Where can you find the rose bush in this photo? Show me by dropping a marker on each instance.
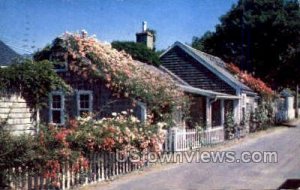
(53, 146)
(264, 115)
(92, 60)
(254, 83)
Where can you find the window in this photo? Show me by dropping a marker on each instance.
(57, 106)
(84, 102)
(142, 111)
(60, 63)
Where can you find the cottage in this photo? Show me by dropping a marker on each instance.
(103, 81)
(213, 89)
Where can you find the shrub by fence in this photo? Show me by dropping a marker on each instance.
(105, 165)
(101, 166)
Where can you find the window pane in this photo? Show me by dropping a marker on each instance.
(59, 61)
(84, 101)
(56, 101)
(56, 116)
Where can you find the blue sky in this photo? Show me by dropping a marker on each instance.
(27, 23)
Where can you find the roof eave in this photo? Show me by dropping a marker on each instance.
(249, 92)
(207, 93)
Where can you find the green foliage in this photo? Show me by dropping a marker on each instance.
(15, 151)
(34, 80)
(261, 36)
(46, 152)
(230, 126)
(262, 117)
(138, 51)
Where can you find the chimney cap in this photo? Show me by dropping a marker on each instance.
(84, 33)
(144, 29)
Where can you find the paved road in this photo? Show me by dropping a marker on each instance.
(192, 176)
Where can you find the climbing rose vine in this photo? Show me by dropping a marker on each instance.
(254, 83)
(93, 60)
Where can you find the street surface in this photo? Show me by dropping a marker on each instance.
(192, 176)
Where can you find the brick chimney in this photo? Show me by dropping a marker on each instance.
(145, 37)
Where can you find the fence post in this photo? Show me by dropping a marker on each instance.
(170, 140)
(63, 173)
(175, 133)
(68, 175)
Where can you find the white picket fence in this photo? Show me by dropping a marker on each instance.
(102, 166)
(186, 139)
(105, 166)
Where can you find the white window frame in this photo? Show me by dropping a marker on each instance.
(84, 92)
(143, 107)
(61, 109)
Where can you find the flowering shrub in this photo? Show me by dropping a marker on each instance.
(93, 60)
(264, 114)
(52, 147)
(80, 138)
(254, 83)
(121, 133)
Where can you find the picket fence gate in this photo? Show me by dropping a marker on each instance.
(185, 139)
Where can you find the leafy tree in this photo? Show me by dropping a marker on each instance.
(261, 36)
(138, 51)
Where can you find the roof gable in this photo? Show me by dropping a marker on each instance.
(213, 64)
(193, 73)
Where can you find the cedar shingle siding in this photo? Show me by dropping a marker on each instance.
(104, 101)
(194, 73)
